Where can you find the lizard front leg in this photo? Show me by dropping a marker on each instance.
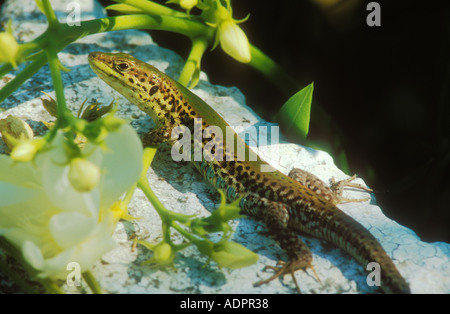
(157, 136)
(276, 217)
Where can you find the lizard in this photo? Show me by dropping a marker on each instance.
(288, 205)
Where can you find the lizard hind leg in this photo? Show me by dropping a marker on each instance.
(334, 192)
(276, 217)
(288, 268)
(338, 187)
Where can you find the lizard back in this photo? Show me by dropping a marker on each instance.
(309, 209)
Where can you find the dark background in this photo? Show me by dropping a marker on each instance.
(385, 87)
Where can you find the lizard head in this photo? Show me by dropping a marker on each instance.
(140, 82)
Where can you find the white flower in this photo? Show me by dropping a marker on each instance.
(52, 223)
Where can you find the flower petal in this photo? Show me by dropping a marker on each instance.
(85, 253)
(121, 164)
(18, 173)
(32, 254)
(56, 183)
(69, 229)
(52, 223)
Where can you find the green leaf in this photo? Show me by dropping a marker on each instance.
(294, 116)
(233, 255)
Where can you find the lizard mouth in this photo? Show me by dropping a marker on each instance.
(97, 63)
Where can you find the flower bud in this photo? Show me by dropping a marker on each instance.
(163, 253)
(24, 151)
(188, 4)
(8, 47)
(234, 41)
(83, 174)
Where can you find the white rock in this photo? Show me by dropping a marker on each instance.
(180, 188)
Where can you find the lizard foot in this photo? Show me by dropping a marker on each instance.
(288, 268)
(338, 187)
(332, 193)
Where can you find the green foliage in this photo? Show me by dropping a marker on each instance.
(294, 115)
(196, 231)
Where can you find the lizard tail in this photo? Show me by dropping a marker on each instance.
(352, 237)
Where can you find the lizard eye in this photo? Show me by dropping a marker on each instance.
(122, 67)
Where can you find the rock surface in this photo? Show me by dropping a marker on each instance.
(426, 266)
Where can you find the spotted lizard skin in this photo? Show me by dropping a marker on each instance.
(286, 204)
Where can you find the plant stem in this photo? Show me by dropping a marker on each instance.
(92, 282)
(273, 72)
(53, 62)
(153, 8)
(183, 232)
(166, 215)
(5, 68)
(65, 35)
(24, 75)
(148, 155)
(159, 207)
(189, 28)
(191, 69)
(50, 14)
(51, 286)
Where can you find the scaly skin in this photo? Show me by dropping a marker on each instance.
(287, 204)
